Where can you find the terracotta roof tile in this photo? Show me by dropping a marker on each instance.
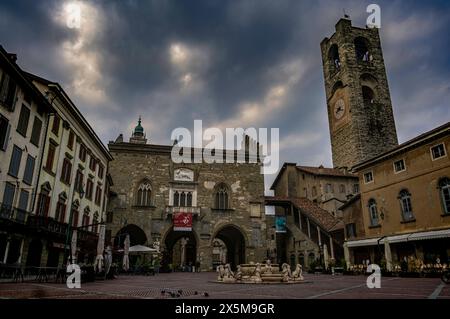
(326, 171)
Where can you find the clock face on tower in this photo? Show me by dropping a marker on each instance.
(339, 109)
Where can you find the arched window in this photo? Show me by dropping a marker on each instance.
(176, 199)
(362, 50)
(144, 194)
(314, 191)
(333, 56)
(221, 197)
(405, 204)
(368, 95)
(189, 199)
(373, 212)
(342, 189)
(444, 185)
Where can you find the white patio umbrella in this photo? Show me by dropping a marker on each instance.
(126, 248)
(325, 256)
(142, 249)
(73, 246)
(388, 255)
(100, 248)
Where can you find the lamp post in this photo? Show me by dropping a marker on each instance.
(69, 226)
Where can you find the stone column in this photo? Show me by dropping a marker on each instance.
(347, 255)
(318, 236)
(331, 248)
(388, 255)
(183, 250)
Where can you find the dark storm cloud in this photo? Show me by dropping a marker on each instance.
(227, 62)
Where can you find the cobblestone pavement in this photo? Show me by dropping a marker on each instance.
(194, 285)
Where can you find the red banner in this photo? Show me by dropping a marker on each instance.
(182, 221)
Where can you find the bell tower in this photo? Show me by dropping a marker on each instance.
(360, 115)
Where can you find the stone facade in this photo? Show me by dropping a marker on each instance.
(359, 106)
(327, 187)
(240, 225)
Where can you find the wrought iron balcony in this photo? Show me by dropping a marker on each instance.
(47, 224)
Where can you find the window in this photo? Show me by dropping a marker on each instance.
(29, 170)
(14, 164)
(66, 171)
(144, 194)
(314, 191)
(85, 221)
(8, 195)
(100, 171)
(98, 195)
(438, 151)
(399, 166)
(405, 203)
(23, 200)
(43, 204)
(373, 212)
(342, 189)
(60, 214)
(221, 200)
(71, 139)
(56, 124)
(4, 132)
(8, 91)
(333, 56)
(356, 188)
(75, 214)
(79, 181)
(182, 199)
(24, 117)
(350, 230)
(305, 191)
(36, 131)
(50, 157)
(444, 185)
(362, 49)
(328, 188)
(93, 163)
(89, 188)
(82, 154)
(368, 177)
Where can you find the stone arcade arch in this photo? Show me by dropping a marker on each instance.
(234, 239)
(173, 241)
(137, 236)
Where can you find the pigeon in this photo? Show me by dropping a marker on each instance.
(206, 294)
(196, 292)
(180, 292)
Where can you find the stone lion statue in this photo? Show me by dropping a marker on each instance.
(229, 275)
(268, 267)
(297, 275)
(286, 271)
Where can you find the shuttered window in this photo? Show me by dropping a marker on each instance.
(8, 195)
(4, 132)
(23, 200)
(14, 165)
(24, 118)
(7, 91)
(29, 170)
(36, 132)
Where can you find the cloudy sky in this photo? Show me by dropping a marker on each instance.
(249, 63)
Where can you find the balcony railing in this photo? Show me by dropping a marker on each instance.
(13, 214)
(47, 224)
(172, 209)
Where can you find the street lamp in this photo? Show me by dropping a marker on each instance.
(69, 226)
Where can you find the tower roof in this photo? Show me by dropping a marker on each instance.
(139, 130)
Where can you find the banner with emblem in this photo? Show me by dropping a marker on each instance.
(182, 221)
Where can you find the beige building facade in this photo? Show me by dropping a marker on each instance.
(405, 202)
